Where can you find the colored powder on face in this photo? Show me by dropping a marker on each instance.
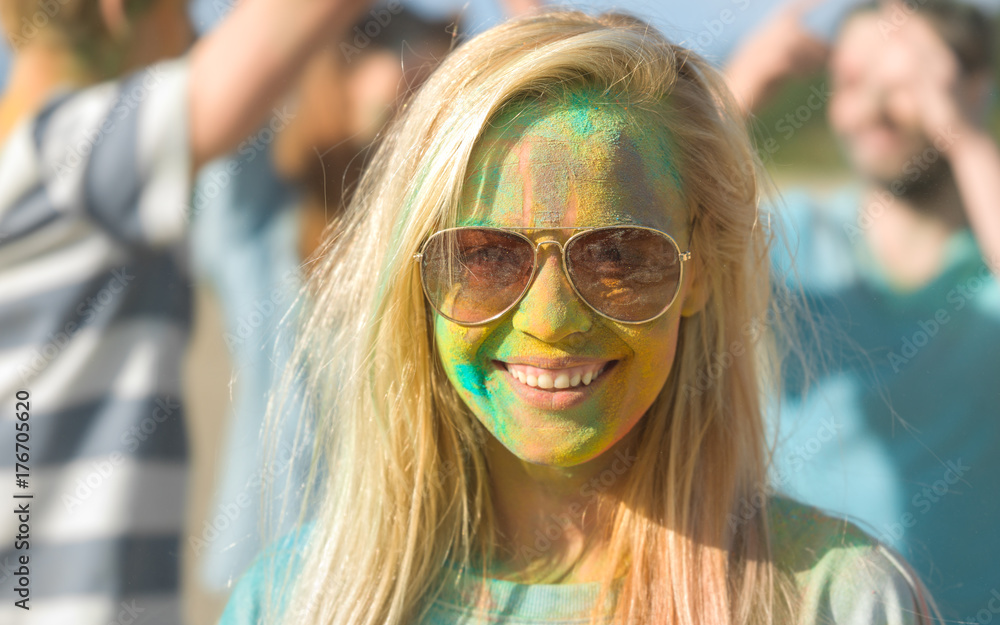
(470, 377)
(584, 161)
(579, 106)
(551, 159)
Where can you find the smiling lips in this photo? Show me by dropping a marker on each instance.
(557, 379)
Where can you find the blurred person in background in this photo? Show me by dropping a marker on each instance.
(266, 211)
(900, 426)
(101, 135)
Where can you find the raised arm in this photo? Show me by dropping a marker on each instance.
(240, 69)
(975, 161)
(952, 111)
(781, 48)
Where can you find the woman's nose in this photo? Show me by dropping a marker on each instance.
(551, 310)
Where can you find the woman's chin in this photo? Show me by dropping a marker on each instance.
(558, 448)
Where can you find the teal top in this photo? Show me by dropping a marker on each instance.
(843, 576)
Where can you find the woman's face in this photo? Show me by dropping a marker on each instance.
(582, 162)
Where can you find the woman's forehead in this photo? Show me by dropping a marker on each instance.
(583, 160)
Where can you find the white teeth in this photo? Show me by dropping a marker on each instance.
(556, 378)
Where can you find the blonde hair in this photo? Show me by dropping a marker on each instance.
(405, 486)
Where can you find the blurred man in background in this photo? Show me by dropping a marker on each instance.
(898, 424)
(100, 137)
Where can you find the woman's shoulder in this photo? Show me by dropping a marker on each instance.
(268, 580)
(842, 574)
(797, 528)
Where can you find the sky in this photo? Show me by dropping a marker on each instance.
(704, 25)
(711, 27)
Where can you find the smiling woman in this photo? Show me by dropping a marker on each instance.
(554, 240)
(572, 163)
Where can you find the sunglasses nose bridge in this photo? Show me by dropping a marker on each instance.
(539, 245)
(538, 248)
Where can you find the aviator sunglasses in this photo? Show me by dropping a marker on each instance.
(475, 275)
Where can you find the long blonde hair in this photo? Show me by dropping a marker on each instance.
(405, 486)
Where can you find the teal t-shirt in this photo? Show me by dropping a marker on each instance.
(899, 428)
(843, 577)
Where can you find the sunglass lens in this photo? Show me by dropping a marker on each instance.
(473, 274)
(628, 274)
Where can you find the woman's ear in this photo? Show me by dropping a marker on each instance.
(113, 13)
(695, 293)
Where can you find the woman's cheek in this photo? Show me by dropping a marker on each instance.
(457, 348)
(653, 349)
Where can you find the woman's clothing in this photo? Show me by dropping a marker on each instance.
(843, 576)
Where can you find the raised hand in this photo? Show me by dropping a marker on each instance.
(782, 48)
(926, 88)
(923, 78)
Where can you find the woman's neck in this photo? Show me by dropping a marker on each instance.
(554, 520)
(37, 71)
